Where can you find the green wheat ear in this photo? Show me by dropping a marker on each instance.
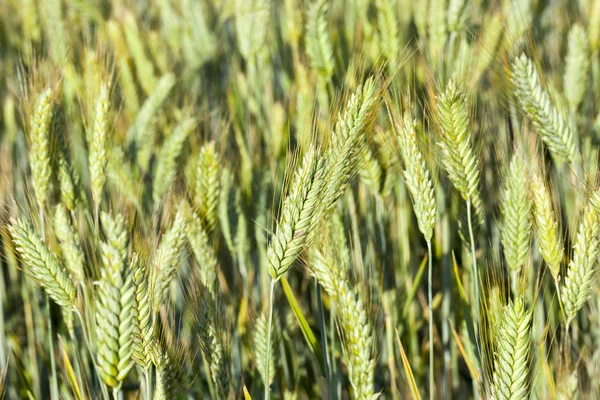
(536, 105)
(458, 157)
(578, 283)
(513, 355)
(115, 311)
(301, 210)
(516, 207)
(41, 264)
(39, 153)
(577, 66)
(318, 44)
(208, 185)
(545, 223)
(417, 177)
(98, 158)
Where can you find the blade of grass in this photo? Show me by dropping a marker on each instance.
(310, 337)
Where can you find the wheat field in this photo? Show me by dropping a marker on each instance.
(299, 199)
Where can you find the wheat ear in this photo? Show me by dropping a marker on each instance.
(299, 216)
(545, 225)
(143, 320)
(167, 260)
(41, 264)
(208, 185)
(352, 318)
(166, 162)
(536, 104)
(69, 243)
(578, 283)
(115, 310)
(516, 208)
(416, 176)
(347, 142)
(98, 158)
(577, 66)
(39, 152)
(318, 44)
(513, 354)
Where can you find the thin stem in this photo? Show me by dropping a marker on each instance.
(89, 348)
(323, 330)
(148, 376)
(430, 301)
(474, 263)
(267, 388)
(54, 381)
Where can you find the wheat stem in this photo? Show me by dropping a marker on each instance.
(429, 299)
(266, 374)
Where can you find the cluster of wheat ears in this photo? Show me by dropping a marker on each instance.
(297, 199)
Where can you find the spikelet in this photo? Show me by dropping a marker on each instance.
(167, 260)
(578, 282)
(39, 153)
(299, 216)
(318, 43)
(512, 358)
(347, 141)
(143, 324)
(115, 310)
(536, 104)
(41, 265)
(208, 185)
(545, 225)
(516, 208)
(98, 158)
(458, 156)
(166, 162)
(577, 66)
(417, 177)
(69, 243)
